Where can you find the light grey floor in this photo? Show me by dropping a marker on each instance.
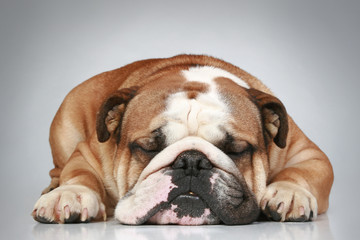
(111, 230)
(307, 52)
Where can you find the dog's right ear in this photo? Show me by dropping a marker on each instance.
(109, 116)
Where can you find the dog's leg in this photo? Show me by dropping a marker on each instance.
(53, 184)
(300, 191)
(81, 194)
(66, 132)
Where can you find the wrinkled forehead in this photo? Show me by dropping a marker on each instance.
(200, 101)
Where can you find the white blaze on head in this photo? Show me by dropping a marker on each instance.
(207, 74)
(202, 116)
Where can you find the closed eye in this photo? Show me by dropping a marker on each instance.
(145, 148)
(143, 153)
(145, 144)
(236, 155)
(235, 148)
(148, 145)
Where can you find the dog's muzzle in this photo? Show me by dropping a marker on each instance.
(191, 182)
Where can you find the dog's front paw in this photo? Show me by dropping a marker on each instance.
(286, 201)
(69, 203)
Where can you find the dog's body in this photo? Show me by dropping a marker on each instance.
(184, 140)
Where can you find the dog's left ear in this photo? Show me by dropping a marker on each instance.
(274, 116)
(109, 116)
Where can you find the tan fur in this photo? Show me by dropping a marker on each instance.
(105, 168)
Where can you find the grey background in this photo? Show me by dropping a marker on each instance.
(307, 52)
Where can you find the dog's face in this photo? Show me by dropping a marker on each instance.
(191, 149)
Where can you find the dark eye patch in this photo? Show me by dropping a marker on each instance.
(146, 144)
(146, 148)
(159, 137)
(234, 148)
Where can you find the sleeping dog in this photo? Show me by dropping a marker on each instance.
(185, 140)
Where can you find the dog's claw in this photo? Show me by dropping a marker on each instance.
(67, 212)
(84, 215)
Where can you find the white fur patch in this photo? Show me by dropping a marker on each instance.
(135, 206)
(207, 74)
(203, 116)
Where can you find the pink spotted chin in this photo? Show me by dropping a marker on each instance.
(170, 216)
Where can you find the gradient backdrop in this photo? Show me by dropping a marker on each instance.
(307, 52)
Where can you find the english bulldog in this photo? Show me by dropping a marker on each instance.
(184, 140)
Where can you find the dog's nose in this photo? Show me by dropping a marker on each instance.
(192, 161)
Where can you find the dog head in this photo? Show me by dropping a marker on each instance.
(191, 147)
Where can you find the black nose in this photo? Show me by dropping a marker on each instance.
(192, 161)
